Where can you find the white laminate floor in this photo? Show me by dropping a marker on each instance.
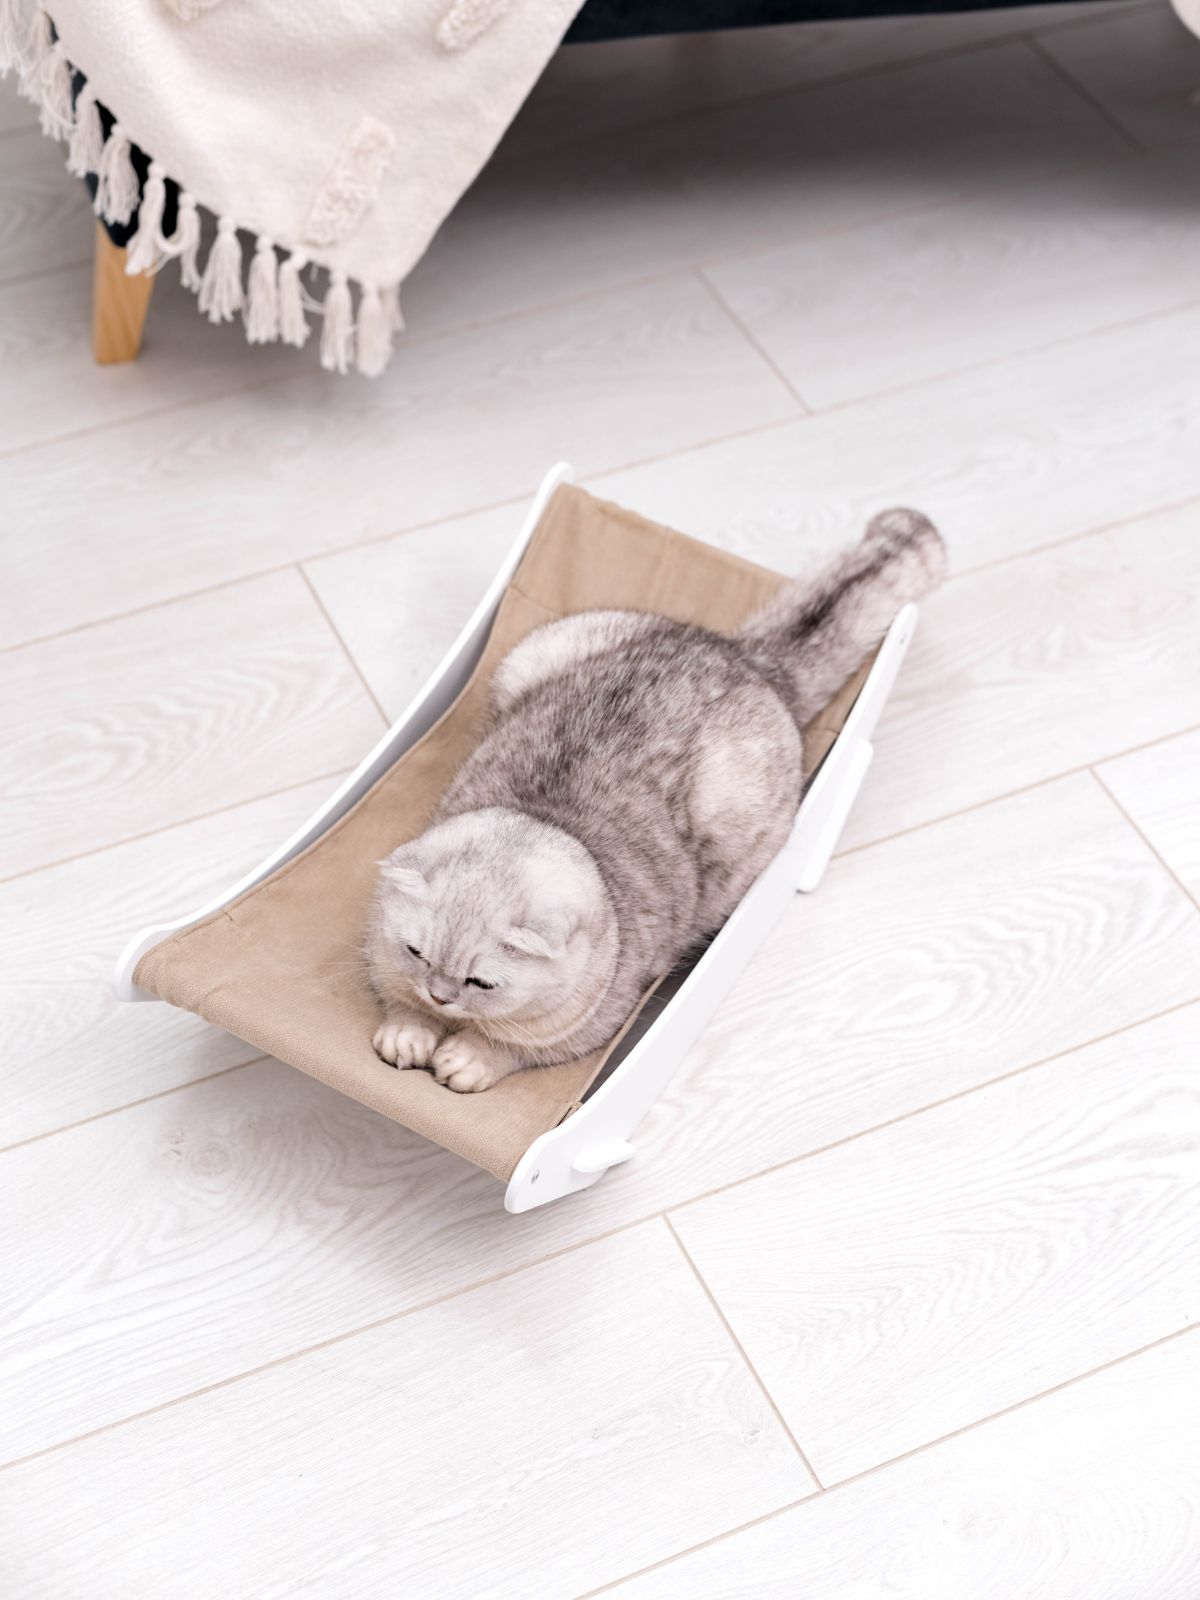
(900, 1299)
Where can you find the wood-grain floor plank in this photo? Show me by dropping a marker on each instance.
(1143, 67)
(70, 1051)
(555, 1430)
(923, 966)
(1087, 1494)
(1160, 789)
(1005, 458)
(943, 1269)
(46, 358)
(1018, 672)
(289, 470)
(46, 220)
(16, 114)
(172, 713)
(1018, 267)
(461, 1452)
(240, 1219)
(609, 85)
(1037, 666)
(828, 156)
(400, 603)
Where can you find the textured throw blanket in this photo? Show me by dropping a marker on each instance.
(339, 136)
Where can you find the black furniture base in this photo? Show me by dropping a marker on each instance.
(621, 19)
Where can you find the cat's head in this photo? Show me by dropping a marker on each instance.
(491, 918)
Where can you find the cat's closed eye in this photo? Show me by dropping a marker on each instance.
(479, 983)
(413, 951)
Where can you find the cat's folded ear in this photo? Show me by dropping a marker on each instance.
(547, 937)
(404, 878)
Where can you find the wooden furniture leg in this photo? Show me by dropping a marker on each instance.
(118, 303)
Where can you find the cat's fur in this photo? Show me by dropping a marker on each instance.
(636, 776)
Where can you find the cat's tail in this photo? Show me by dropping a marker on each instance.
(810, 638)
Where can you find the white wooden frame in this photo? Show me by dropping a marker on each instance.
(597, 1136)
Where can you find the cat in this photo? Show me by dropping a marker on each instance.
(635, 777)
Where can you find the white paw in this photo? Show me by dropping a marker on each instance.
(405, 1044)
(466, 1066)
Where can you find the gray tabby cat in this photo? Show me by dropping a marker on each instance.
(636, 777)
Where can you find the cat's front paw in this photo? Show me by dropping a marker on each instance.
(406, 1044)
(467, 1064)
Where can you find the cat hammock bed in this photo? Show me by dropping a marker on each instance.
(276, 960)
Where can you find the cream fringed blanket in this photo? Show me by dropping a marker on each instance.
(338, 135)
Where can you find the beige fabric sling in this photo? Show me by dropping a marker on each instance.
(280, 967)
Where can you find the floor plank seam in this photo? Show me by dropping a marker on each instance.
(931, 1105)
(324, 1344)
(1006, 358)
(1139, 1022)
(759, 349)
(764, 245)
(1146, 840)
(932, 207)
(705, 1194)
(1011, 794)
(692, 1549)
(150, 605)
(610, 469)
(624, 285)
(457, 329)
(833, 80)
(884, 1466)
(797, 86)
(1048, 59)
(1020, 1405)
(181, 822)
(877, 69)
(307, 374)
(329, 552)
(662, 1212)
(131, 1105)
(1166, 508)
(343, 646)
(165, 408)
(1096, 19)
(1056, 1408)
(741, 1350)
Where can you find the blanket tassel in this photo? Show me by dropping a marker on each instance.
(293, 324)
(12, 51)
(31, 57)
(274, 303)
(147, 249)
(117, 190)
(337, 334)
(56, 117)
(221, 286)
(262, 294)
(185, 242)
(373, 346)
(86, 148)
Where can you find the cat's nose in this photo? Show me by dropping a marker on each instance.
(439, 999)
